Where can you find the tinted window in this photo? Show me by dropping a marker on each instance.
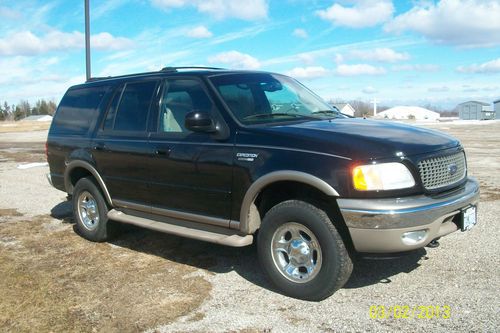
(181, 97)
(132, 113)
(110, 116)
(77, 110)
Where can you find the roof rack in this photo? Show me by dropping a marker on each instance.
(176, 69)
(165, 69)
(98, 78)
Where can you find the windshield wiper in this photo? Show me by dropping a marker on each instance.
(327, 113)
(272, 115)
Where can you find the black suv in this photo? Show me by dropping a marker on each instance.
(227, 156)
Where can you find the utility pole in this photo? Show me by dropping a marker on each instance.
(374, 102)
(87, 39)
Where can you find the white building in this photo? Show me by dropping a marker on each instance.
(408, 112)
(38, 118)
(345, 108)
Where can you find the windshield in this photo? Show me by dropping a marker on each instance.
(259, 98)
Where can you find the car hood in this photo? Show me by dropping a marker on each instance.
(360, 139)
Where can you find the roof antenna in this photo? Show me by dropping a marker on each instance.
(87, 40)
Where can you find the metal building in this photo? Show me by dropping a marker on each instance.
(497, 108)
(475, 110)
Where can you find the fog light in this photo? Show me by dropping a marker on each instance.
(414, 237)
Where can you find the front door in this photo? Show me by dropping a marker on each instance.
(191, 173)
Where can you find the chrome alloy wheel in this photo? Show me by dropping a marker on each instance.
(296, 252)
(88, 211)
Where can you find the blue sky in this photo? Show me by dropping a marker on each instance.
(400, 52)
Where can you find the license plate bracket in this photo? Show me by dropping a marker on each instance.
(468, 218)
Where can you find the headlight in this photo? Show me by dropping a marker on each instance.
(384, 176)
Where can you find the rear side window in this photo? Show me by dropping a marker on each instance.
(132, 111)
(77, 110)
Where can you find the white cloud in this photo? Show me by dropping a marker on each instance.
(34, 78)
(438, 89)
(359, 69)
(468, 23)
(8, 13)
(170, 3)
(106, 41)
(308, 73)
(301, 33)
(492, 66)
(236, 60)
(370, 90)
(245, 10)
(416, 67)
(383, 54)
(365, 13)
(468, 88)
(27, 43)
(104, 7)
(342, 49)
(307, 59)
(339, 58)
(199, 32)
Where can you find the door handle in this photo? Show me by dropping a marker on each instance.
(99, 146)
(163, 152)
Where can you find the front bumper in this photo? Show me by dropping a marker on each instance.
(377, 225)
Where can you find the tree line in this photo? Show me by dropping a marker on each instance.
(24, 109)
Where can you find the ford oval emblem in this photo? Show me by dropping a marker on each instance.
(452, 169)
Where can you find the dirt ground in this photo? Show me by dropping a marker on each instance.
(52, 280)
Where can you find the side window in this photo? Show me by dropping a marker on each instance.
(181, 96)
(78, 109)
(110, 116)
(132, 112)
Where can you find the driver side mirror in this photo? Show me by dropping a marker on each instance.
(199, 121)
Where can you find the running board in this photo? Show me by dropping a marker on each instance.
(207, 233)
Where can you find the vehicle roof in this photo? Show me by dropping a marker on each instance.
(167, 71)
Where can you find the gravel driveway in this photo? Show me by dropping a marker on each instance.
(146, 281)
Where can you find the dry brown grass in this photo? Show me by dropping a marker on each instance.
(23, 126)
(22, 152)
(489, 193)
(53, 280)
(22, 157)
(9, 212)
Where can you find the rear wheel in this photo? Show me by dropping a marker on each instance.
(90, 211)
(301, 251)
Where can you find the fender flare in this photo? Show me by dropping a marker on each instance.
(87, 166)
(249, 216)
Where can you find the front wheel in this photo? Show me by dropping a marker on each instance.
(301, 251)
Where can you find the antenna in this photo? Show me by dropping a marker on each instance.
(87, 40)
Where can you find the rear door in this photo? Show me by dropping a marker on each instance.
(191, 173)
(121, 148)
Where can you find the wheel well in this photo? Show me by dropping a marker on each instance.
(78, 173)
(281, 191)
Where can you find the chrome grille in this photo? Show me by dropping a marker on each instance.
(442, 171)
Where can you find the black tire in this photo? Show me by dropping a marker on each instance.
(96, 228)
(332, 264)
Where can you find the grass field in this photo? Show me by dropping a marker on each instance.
(23, 126)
